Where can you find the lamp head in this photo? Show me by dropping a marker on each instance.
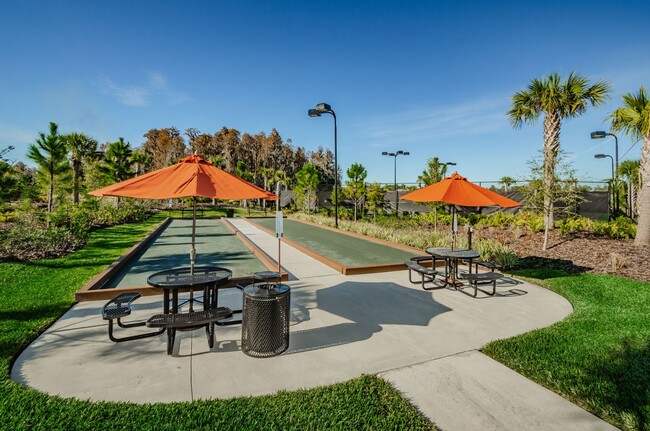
(384, 153)
(450, 163)
(405, 153)
(598, 134)
(313, 113)
(600, 156)
(323, 107)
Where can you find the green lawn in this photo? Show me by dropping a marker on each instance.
(33, 295)
(599, 356)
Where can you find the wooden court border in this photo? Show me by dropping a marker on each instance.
(92, 291)
(337, 266)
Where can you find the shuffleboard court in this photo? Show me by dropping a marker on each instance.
(350, 251)
(216, 245)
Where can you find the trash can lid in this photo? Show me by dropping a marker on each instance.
(268, 290)
(266, 275)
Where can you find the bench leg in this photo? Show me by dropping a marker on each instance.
(132, 337)
(473, 284)
(209, 329)
(129, 325)
(171, 336)
(425, 279)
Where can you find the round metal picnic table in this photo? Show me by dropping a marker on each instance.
(208, 278)
(452, 257)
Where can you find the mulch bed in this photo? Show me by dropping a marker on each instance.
(575, 253)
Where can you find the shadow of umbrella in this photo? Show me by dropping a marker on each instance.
(367, 307)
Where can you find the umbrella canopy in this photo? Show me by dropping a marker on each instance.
(192, 176)
(456, 190)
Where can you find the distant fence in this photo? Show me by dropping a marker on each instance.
(595, 203)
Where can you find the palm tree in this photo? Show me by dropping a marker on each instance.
(142, 160)
(557, 99)
(80, 148)
(280, 178)
(435, 172)
(633, 118)
(49, 154)
(507, 182)
(118, 161)
(265, 174)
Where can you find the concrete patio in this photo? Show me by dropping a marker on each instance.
(425, 342)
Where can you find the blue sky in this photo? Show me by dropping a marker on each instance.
(432, 78)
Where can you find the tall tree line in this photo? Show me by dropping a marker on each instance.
(68, 165)
(258, 156)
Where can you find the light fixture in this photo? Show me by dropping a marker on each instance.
(600, 134)
(394, 155)
(324, 108)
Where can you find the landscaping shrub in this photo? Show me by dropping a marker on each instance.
(500, 219)
(476, 219)
(32, 235)
(28, 239)
(622, 228)
(495, 252)
(536, 224)
(506, 258)
(574, 225)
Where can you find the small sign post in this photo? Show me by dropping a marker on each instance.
(279, 233)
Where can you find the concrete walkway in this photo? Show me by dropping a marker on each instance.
(424, 342)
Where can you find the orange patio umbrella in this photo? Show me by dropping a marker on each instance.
(192, 176)
(456, 190)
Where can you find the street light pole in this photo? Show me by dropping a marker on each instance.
(602, 156)
(600, 134)
(324, 108)
(394, 155)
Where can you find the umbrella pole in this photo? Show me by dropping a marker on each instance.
(453, 226)
(193, 251)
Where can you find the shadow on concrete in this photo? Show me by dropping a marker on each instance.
(366, 307)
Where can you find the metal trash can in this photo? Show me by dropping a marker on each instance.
(230, 212)
(265, 320)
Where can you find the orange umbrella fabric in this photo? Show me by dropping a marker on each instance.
(191, 176)
(456, 190)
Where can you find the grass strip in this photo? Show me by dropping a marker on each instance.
(599, 356)
(34, 294)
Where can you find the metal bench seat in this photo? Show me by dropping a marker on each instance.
(428, 274)
(189, 321)
(489, 265)
(489, 277)
(119, 307)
